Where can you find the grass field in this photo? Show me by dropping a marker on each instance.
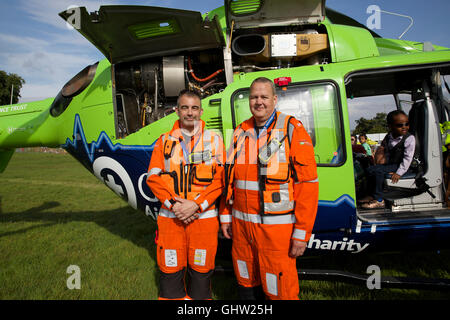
(54, 214)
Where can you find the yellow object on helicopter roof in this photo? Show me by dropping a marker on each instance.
(445, 130)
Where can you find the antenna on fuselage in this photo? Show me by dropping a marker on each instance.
(399, 15)
(12, 92)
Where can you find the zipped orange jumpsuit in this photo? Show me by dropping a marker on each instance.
(271, 198)
(194, 174)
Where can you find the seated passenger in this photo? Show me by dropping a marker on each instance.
(360, 154)
(394, 156)
(357, 148)
(363, 141)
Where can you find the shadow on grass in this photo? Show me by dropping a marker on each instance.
(139, 229)
(124, 222)
(418, 265)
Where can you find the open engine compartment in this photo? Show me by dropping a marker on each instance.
(146, 90)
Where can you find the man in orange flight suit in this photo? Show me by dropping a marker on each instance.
(271, 197)
(186, 174)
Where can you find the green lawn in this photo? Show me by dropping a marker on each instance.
(54, 214)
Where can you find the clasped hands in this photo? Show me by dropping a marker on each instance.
(185, 210)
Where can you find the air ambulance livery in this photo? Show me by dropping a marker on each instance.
(110, 115)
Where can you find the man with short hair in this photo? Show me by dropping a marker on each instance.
(271, 197)
(186, 175)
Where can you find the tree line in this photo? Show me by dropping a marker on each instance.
(374, 125)
(7, 80)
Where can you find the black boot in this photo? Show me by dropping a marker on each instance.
(251, 293)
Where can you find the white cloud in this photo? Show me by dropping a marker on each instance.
(35, 92)
(51, 57)
(48, 59)
(14, 41)
(44, 63)
(368, 107)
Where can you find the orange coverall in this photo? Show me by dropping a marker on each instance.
(195, 174)
(269, 208)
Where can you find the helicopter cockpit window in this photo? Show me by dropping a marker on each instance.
(74, 87)
(316, 106)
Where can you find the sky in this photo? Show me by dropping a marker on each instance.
(36, 43)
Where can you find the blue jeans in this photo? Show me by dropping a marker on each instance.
(379, 172)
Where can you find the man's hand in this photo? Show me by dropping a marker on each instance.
(297, 248)
(185, 210)
(395, 177)
(226, 230)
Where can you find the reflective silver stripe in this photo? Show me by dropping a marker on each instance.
(167, 203)
(154, 171)
(207, 144)
(204, 205)
(279, 206)
(279, 130)
(282, 150)
(216, 144)
(167, 164)
(285, 186)
(256, 218)
(280, 120)
(299, 234)
(225, 218)
(284, 203)
(282, 219)
(207, 214)
(166, 213)
(247, 185)
(278, 134)
(310, 181)
(280, 126)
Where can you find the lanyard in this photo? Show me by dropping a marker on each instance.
(186, 152)
(267, 124)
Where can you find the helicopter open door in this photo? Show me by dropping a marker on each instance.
(127, 33)
(246, 14)
(421, 190)
(155, 53)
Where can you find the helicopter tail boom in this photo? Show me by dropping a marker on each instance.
(25, 125)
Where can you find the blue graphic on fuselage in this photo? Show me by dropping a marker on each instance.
(332, 215)
(122, 168)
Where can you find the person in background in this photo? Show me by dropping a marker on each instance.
(357, 148)
(363, 141)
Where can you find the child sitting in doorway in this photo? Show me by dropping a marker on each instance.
(394, 156)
